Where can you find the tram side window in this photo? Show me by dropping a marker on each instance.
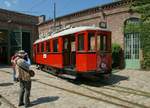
(91, 41)
(48, 46)
(103, 43)
(55, 45)
(81, 42)
(42, 47)
(66, 44)
(37, 48)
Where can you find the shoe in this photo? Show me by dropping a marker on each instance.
(27, 106)
(20, 104)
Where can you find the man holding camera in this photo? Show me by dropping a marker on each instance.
(24, 75)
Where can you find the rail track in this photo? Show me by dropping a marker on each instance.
(127, 90)
(115, 97)
(4, 100)
(115, 88)
(128, 104)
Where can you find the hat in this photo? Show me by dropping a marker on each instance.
(21, 53)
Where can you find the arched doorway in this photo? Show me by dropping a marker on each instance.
(132, 43)
(3, 46)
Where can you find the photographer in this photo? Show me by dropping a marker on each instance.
(24, 77)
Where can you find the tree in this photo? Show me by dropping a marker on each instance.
(143, 8)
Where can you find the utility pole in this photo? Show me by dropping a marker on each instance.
(54, 19)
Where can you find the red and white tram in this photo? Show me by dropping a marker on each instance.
(78, 51)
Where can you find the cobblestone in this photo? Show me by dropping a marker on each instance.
(44, 96)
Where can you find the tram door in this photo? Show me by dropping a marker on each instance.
(69, 51)
(73, 52)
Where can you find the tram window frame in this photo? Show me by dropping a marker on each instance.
(55, 45)
(103, 46)
(48, 48)
(103, 43)
(91, 44)
(81, 42)
(34, 50)
(66, 42)
(37, 48)
(42, 47)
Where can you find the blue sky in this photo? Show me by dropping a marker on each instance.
(45, 7)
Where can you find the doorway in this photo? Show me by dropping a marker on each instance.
(26, 42)
(69, 51)
(132, 48)
(3, 46)
(132, 43)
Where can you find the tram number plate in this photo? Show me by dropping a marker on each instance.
(44, 55)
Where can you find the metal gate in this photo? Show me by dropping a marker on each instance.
(132, 48)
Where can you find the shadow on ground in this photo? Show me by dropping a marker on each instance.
(98, 81)
(4, 66)
(42, 100)
(6, 84)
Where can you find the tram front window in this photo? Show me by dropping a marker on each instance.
(80, 42)
(91, 41)
(103, 43)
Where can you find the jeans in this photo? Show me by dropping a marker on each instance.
(25, 87)
(14, 74)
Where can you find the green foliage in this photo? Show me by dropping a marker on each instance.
(145, 41)
(116, 48)
(116, 55)
(143, 7)
(132, 27)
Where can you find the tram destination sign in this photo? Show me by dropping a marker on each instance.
(103, 25)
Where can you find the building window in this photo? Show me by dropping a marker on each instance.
(16, 39)
(42, 47)
(91, 41)
(48, 46)
(55, 45)
(80, 42)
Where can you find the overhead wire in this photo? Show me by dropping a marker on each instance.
(41, 2)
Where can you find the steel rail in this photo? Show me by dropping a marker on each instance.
(136, 92)
(114, 97)
(7, 102)
(112, 87)
(85, 95)
(96, 98)
(127, 88)
(79, 93)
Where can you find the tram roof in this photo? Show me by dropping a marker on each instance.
(69, 31)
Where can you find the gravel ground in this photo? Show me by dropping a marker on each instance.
(114, 93)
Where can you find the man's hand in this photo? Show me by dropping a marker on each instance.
(16, 79)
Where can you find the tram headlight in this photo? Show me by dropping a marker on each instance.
(103, 65)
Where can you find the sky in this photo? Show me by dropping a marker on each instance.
(45, 7)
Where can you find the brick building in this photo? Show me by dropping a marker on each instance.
(17, 31)
(117, 16)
